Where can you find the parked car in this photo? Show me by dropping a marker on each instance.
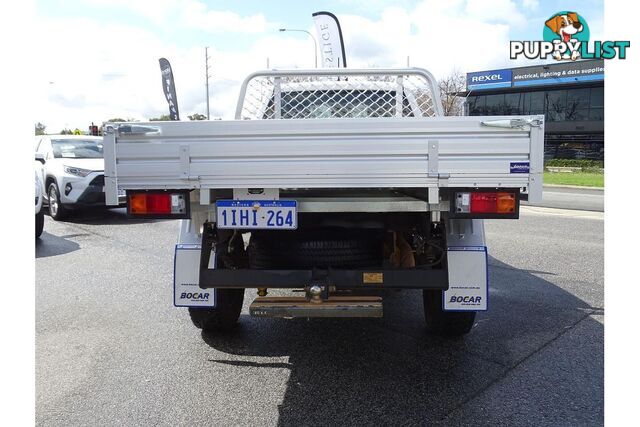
(39, 171)
(73, 171)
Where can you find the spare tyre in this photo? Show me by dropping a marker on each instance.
(324, 248)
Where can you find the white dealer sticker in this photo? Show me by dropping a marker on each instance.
(468, 281)
(186, 277)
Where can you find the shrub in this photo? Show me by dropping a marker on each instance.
(575, 163)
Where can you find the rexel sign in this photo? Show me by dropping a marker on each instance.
(489, 79)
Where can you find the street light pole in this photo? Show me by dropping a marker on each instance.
(315, 43)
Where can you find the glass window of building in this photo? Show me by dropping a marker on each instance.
(495, 104)
(556, 103)
(556, 99)
(578, 99)
(526, 102)
(537, 103)
(574, 105)
(596, 114)
(577, 104)
(597, 97)
(572, 115)
(514, 103)
(476, 105)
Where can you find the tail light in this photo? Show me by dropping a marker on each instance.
(500, 203)
(158, 204)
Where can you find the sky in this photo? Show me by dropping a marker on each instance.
(98, 59)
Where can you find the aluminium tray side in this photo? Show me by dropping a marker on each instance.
(325, 153)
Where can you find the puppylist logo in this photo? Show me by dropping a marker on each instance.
(566, 37)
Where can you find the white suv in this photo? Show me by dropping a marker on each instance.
(73, 171)
(39, 192)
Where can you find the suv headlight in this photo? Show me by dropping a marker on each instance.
(76, 171)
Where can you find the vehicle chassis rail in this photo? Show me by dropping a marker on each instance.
(362, 278)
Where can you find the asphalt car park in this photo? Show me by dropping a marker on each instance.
(111, 348)
(584, 199)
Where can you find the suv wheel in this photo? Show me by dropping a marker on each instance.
(56, 210)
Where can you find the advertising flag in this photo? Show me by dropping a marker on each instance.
(330, 40)
(169, 87)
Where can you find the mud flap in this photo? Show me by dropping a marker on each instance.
(468, 279)
(186, 277)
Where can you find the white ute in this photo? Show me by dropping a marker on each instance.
(336, 182)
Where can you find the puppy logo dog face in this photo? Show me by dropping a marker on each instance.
(567, 31)
(565, 25)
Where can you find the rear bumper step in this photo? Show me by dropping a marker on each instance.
(335, 306)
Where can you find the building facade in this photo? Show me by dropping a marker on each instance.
(569, 94)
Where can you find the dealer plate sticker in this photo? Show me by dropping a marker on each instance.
(257, 214)
(468, 281)
(519, 167)
(186, 279)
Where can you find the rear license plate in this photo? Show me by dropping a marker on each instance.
(257, 214)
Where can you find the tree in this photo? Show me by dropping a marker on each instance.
(451, 87)
(197, 116)
(66, 132)
(40, 128)
(118, 119)
(162, 118)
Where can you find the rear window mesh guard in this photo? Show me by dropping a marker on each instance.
(338, 93)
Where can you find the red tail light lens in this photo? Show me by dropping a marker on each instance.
(492, 202)
(474, 203)
(146, 204)
(158, 204)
